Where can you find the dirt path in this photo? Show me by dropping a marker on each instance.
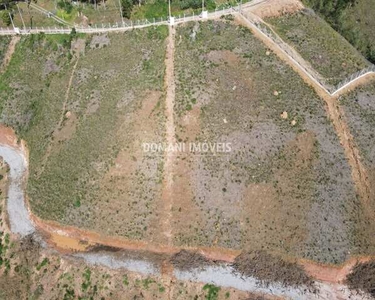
(9, 53)
(169, 83)
(62, 116)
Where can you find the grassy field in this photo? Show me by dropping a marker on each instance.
(328, 52)
(86, 164)
(286, 185)
(4, 42)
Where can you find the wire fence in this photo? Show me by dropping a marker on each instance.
(343, 84)
(302, 64)
(118, 26)
(253, 20)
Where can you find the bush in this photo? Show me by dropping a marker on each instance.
(6, 17)
(67, 6)
(127, 7)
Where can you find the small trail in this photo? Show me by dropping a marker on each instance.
(61, 120)
(8, 55)
(169, 83)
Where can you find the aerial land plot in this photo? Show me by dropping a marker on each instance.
(84, 104)
(286, 185)
(318, 43)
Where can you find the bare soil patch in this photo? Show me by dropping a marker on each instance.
(276, 8)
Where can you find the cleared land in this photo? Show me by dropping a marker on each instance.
(85, 105)
(328, 52)
(84, 117)
(286, 185)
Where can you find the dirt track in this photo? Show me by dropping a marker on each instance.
(169, 84)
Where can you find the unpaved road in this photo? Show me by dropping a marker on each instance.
(169, 85)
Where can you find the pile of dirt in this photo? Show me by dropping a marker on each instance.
(187, 260)
(269, 269)
(362, 277)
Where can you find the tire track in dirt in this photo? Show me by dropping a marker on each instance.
(169, 84)
(8, 55)
(61, 120)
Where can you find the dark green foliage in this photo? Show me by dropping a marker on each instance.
(330, 9)
(212, 291)
(127, 7)
(6, 17)
(340, 14)
(65, 5)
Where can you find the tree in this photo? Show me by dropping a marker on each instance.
(6, 17)
(127, 7)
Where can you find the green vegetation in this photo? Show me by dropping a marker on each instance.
(329, 53)
(353, 19)
(212, 291)
(4, 42)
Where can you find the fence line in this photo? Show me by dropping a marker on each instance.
(256, 22)
(354, 77)
(311, 72)
(119, 26)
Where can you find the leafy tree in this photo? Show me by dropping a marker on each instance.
(127, 7)
(6, 17)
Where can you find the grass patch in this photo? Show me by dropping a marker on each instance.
(328, 52)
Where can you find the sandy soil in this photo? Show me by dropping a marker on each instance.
(274, 8)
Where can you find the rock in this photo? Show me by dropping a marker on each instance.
(68, 114)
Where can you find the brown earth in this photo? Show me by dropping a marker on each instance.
(275, 8)
(167, 194)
